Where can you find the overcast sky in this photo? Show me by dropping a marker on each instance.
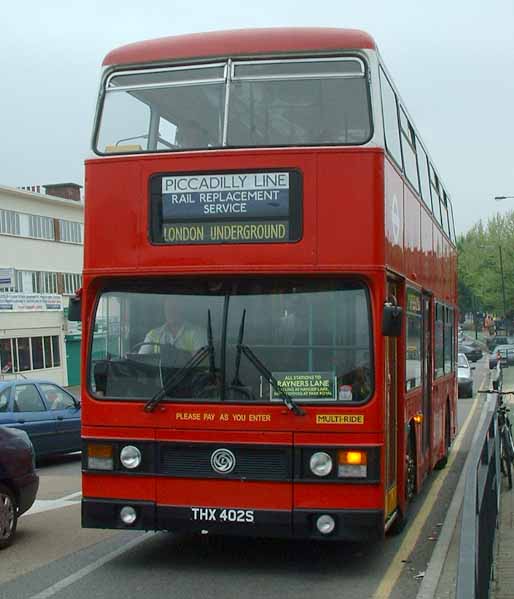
(452, 61)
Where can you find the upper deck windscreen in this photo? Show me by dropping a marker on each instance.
(236, 104)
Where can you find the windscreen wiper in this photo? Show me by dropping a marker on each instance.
(196, 359)
(236, 383)
(259, 365)
(210, 347)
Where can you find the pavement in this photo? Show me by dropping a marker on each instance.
(503, 582)
(440, 580)
(502, 586)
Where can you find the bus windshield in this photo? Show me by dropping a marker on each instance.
(236, 104)
(313, 336)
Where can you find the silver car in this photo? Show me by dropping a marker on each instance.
(465, 376)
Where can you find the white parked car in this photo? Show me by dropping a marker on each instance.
(465, 376)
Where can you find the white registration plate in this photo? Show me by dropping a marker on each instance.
(214, 514)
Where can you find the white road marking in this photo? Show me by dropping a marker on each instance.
(45, 505)
(69, 580)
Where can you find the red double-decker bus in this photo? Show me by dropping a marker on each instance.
(269, 298)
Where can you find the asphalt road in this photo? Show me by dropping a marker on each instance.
(53, 557)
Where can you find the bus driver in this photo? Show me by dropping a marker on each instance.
(176, 332)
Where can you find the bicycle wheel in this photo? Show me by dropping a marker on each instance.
(506, 458)
(510, 444)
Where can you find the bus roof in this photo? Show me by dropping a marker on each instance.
(240, 42)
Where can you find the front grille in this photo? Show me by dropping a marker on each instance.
(252, 463)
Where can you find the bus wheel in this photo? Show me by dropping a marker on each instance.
(447, 442)
(410, 480)
(410, 486)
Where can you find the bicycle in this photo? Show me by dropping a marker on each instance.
(505, 430)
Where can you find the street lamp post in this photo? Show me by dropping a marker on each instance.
(503, 288)
(499, 198)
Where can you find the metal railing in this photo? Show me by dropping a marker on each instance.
(480, 508)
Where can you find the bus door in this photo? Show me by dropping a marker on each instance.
(391, 412)
(426, 371)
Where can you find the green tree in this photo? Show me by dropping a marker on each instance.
(480, 277)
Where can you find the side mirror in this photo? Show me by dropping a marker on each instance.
(75, 309)
(473, 368)
(391, 320)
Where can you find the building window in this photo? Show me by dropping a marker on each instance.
(6, 356)
(70, 231)
(56, 354)
(47, 344)
(71, 282)
(37, 353)
(32, 281)
(48, 282)
(29, 353)
(23, 344)
(41, 227)
(9, 222)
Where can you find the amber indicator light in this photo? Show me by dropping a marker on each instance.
(354, 458)
(99, 451)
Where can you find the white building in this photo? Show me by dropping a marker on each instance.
(41, 256)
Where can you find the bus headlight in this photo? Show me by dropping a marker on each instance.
(320, 463)
(130, 457)
(128, 515)
(325, 524)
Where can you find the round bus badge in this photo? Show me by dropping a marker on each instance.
(223, 461)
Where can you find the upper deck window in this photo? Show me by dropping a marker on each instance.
(240, 104)
(298, 103)
(159, 110)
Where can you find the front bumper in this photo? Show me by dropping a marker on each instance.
(351, 525)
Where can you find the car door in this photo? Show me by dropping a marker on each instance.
(66, 410)
(31, 415)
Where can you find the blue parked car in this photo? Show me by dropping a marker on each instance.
(49, 414)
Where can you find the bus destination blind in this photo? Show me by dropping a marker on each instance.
(237, 207)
